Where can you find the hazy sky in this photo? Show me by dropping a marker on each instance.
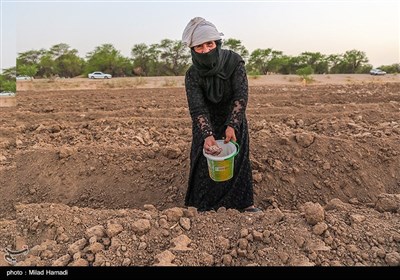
(329, 27)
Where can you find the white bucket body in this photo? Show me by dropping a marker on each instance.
(221, 167)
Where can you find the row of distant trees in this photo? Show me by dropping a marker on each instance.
(172, 58)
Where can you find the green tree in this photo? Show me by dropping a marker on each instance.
(394, 68)
(174, 57)
(263, 61)
(236, 46)
(10, 73)
(7, 83)
(47, 66)
(107, 59)
(155, 65)
(334, 62)
(305, 71)
(316, 60)
(64, 61)
(283, 65)
(275, 62)
(31, 57)
(146, 60)
(27, 70)
(353, 61)
(28, 63)
(69, 64)
(140, 59)
(59, 50)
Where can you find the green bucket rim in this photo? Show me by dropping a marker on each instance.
(222, 159)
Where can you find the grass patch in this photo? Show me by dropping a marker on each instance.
(139, 81)
(109, 84)
(349, 79)
(169, 83)
(307, 79)
(122, 83)
(305, 74)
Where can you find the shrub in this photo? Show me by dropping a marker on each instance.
(305, 73)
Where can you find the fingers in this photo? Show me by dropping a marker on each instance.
(209, 141)
(229, 134)
(211, 147)
(227, 139)
(213, 150)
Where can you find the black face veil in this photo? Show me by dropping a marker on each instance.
(216, 66)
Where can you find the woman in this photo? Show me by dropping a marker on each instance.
(217, 91)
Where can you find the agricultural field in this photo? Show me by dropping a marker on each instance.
(94, 173)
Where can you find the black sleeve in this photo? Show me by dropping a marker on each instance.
(240, 97)
(197, 107)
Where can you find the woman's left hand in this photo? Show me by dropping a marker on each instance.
(229, 134)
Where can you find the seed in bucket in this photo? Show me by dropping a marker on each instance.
(214, 150)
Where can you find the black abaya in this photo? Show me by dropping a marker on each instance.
(209, 118)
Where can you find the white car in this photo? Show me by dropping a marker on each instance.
(377, 72)
(7, 93)
(99, 75)
(24, 78)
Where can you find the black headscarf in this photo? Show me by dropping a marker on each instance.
(215, 66)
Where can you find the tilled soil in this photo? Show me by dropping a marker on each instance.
(98, 177)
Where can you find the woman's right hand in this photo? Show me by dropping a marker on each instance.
(209, 142)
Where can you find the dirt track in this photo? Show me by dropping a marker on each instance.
(117, 148)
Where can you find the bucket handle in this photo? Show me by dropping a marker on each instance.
(237, 149)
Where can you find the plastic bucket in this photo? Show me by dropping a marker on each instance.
(221, 167)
